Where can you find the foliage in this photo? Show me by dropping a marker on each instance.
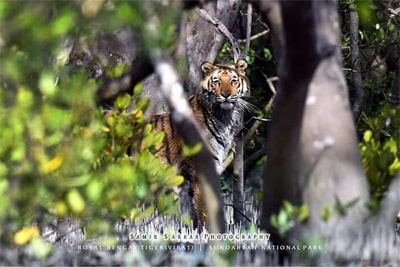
(59, 156)
(378, 127)
(288, 216)
(380, 148)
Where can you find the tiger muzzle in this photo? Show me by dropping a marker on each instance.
(226, 102)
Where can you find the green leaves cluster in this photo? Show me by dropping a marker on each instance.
(378, 126)
(143, 178)
(380, 148)
(288, 216)
(59, 154)
(48, 141)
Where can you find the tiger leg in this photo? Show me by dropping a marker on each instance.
(197, 211)
(199, 204)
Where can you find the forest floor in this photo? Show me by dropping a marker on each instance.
(160, 242)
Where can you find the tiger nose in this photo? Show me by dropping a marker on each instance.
(226, 94)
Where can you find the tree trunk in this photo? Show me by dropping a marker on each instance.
(200, 42)
(238, 182)
(204, 41)
(313, 155)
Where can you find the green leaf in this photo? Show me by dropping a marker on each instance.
(47, 83)
(63, 23)
(189, 151)
(394, 167)
(147, 213)
(303, 213)
(138, 89)
(3, 186)
(351, 203)
(94, 189)
(174, 180)
(187, 220)
(367, 136)
(123, 101)
(3, 173)
(141, 190)
(366, 11)
(327, 213)
(274, 221)
(40, 248)
(282, 218)
(75, 201)
(25, 98)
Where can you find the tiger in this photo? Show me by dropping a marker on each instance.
(218, 105)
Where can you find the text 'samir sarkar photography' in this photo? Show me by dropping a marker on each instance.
(200, 133)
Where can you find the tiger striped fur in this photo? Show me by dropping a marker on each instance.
(218, 106)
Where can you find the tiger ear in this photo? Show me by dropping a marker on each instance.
(207, 67)
(241, 66)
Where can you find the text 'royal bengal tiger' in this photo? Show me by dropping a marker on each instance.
(218, 106)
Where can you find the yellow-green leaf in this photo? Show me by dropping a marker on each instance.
(367, 136)
(94, 189)
(123, 101)
(47, 83)
(145, 214)
(327, 213)
(138, 89)
(25, 235)
(75, 201)
(303, 213)
(174, 180)
(189, 151)
(61, 208)
(53, 164)
(394, 167)
(40, 248)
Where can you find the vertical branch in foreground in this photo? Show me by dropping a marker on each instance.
(238, 166)
(182, 117)
(357, 91)
(238, 179)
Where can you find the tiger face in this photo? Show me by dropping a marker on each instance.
(224, 86)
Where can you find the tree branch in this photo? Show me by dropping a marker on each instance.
(222, 28)
(253, 158)
(238, 179)
(187, 127)
(357, 90)
(255, 36)
(248, 29)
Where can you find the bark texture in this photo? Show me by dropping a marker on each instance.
(356, 91)
(200, 42)
(313, 151)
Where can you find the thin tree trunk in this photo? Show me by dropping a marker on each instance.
(238, 181)
(357, 91)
